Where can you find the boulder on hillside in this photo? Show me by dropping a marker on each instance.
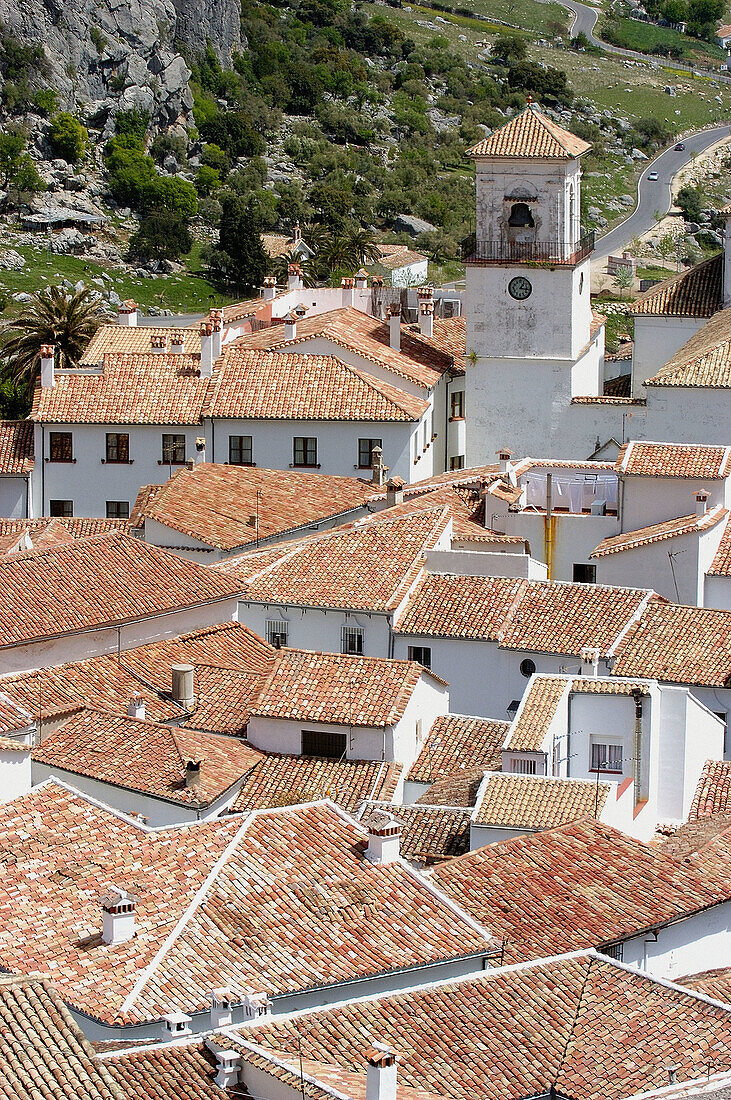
(407, 223)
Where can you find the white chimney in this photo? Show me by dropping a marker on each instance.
(394, 491)
(590, 660)
(192, 773)
(380, 1073)
(394, 326)
(48, 367)
(176, 1024)
(701, 502)
(290, 327)
(127, 313)
(228, 1069)
(222, 1002)
(297, 233)
(118, 916)
(348, 291)
(177, 341)
(503, 460)
(384, 839)
(378, 470)
(361, 280)
(136, 707)
(217, 327)
(426, 319)
(200, 450)
(182, 676)
(159, 343)
(294, 277)
(269, 288)
(206, 349)
(255, 1005)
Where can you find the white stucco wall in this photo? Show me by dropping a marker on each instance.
(321, 630)
(648, 500)
(14, 503)
(15, 774)
(656, 340)
(699, 942)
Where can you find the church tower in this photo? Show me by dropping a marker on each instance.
(531, 345)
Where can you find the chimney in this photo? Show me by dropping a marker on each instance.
(127, 313)
(425, 294)
(269, 288)
(361, 280)
(159, 343)
(384, 839)
(183, 686)
(177, 341)
(503, 459)
(176, 1024)
(48, 367)
(378, 469)
(394, 326)
(294, 277)
(380, 1073)
(206, 349)
(290, 327)
(426, 319)
(228, 1068)
(200, 450)
(297, 233)
(394, 491)
(701, 502)
(136, 707)
(300, 311)
(192, 773)
(118, 916)
(590, 656)
(348, 291)
(222, 1002)
(217, 326)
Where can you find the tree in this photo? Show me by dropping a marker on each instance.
(690, 201)
(624, 278)
(163, 235)
(281, 268)
(68, 137)
(240, 257)
(53, 316)
(548, 83)
(510, 47)
(12, 147)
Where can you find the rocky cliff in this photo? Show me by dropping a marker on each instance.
(106, 55)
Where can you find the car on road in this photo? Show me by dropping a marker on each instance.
(652, 176)
(679, 147)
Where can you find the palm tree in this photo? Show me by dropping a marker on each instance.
(53, 316)
(281, 268)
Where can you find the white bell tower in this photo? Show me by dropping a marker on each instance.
(530, 343)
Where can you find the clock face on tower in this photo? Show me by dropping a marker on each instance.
(520, 288)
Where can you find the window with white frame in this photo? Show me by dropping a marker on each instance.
(523, 766)
(277, 632)
(351, 640)
(606, 757)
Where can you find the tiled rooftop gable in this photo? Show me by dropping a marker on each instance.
(686, 460)
(16, 447)
(659, 532)
(696, 292)
(537, 802)
(458, 743)
(125, 339)
(677, 644)
(530, 134)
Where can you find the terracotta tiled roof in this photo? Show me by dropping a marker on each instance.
(229, 661)
(467, 509)
(417, 361)
(304, 686)
(215, 503)
(43, 1052)
(130, 389)
(281, 780)
(46, 532)
(429, 834)
(537, 801)
(369, 565)
(16, 447)
(602, 400)
(704, 361)
(132, 340)
(721, 564)
(261, 385)
(536, 712)
(239, 310)
(449, 335)
(522, 1031)
(457, 789)
(713, 793)
(689, 460)
(96, 582)
(456, 743)
(531, 134)
(677, 644)
(712, 983)
(460, 607)
(696, 292)
(7, 744)
(659, 532)
(184, 1071)
(526, 464)
(393, 256)
(277, 244)
(580, 885)
(146, 757)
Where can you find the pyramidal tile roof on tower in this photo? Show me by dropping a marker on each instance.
(531, 134)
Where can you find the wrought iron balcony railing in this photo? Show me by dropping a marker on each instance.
(477, 251)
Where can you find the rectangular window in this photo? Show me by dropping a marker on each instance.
(61, 509)
(584, 574)
(320, 743)
(457, 463)
(365, 452)
(352, 640)
(173, 449)
(277, 632)
(60, 446)
(457, 405)
(606, 758)
(421, 654)
(240, 450)
(523, 767)
(305, 450)
(117, 509)
(614, 951)
(117, 447)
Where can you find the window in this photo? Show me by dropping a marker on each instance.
(319, 743)
(457, 463)
(457, 405)
(527, 667)
(61, 509)
(606, 758)
(240, 450)
(584, 574)
(117, 509)
(305, 450)
(173, 448)
(614, 951)
(523, 767)
(60, 446)
(365, 452)
(352, 640)
(421, 654)
(520, 216)
(277, 632)
(117, 447)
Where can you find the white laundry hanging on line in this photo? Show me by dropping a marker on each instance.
(576, 494)
(535, 491)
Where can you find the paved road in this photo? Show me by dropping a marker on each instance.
(655, 195)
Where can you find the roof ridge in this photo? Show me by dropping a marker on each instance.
(58, 547)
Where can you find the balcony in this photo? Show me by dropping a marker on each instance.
(550, 253)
